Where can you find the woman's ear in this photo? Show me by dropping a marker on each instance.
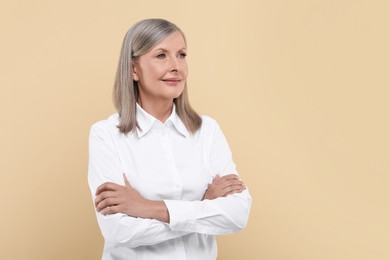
(134, 72)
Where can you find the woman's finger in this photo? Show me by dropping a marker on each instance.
(104, 195)
(233, 192)
(228, 183)
(230, 177)
(221, 179)
(109, 202)
(233, 188)
(106, 186)
(110, 210)
(127, 183)
(216, 179)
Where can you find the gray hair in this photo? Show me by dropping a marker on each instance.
(139, 39)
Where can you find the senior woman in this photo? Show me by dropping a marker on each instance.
(162, 177)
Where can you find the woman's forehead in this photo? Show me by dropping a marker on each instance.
(173, 41)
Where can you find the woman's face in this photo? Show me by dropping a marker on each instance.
(162, 72)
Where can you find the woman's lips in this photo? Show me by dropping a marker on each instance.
(172, 81)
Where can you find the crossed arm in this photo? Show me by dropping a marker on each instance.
(113, 198)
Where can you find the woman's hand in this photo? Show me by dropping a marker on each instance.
(113, 198)
(224, 186)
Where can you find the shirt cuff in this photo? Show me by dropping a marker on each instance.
(182, 214)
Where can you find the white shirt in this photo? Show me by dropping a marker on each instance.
(163, 161)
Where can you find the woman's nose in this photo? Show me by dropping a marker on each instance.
(174, 64)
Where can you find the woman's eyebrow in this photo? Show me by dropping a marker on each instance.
(165, 50)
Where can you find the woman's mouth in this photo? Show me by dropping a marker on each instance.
(172, 81)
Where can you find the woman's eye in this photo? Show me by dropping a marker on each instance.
(182, 55)
(161, 56)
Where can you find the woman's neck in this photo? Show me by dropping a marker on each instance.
(159, 109)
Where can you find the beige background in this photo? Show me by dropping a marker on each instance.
(301, 89)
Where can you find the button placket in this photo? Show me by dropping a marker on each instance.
(175, 177)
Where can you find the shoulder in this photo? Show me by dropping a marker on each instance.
(209, 124)
(106, 126)
(208, 119)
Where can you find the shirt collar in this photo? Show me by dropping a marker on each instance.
(146, 121)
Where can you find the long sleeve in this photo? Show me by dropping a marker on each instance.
(105, 166)
(220, 216)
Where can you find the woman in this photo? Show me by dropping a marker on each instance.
(162, 177)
